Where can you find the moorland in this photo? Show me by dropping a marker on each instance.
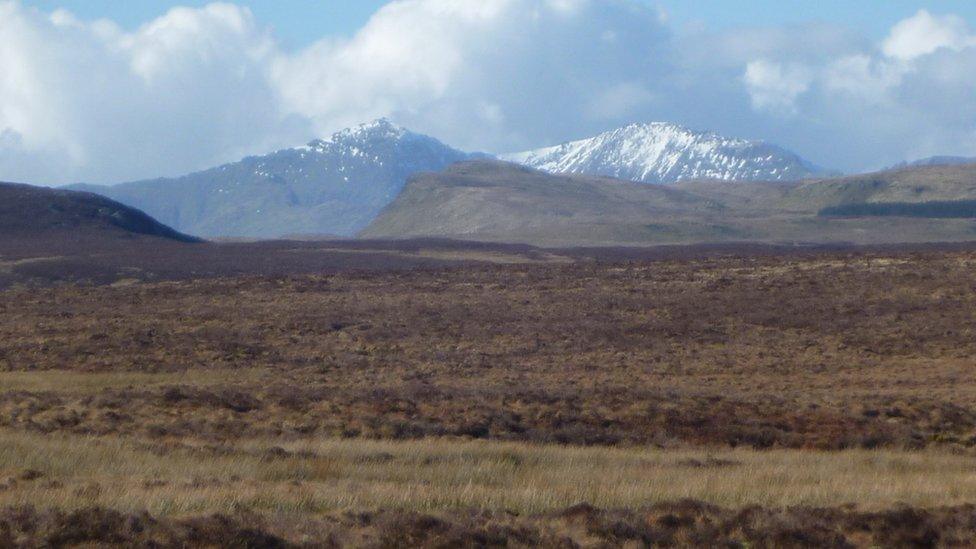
(473, 394)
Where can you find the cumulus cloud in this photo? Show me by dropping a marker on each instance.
(87, 100)
(543, 66)
(925, 33)
(911, 96)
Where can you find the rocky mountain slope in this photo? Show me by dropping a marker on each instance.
(331, 186)
(666, 153)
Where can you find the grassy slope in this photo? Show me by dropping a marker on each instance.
(925, 184)
(493, 201)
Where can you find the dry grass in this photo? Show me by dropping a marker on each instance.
(436, 475)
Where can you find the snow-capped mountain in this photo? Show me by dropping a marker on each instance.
(330, 186)
(660, 152)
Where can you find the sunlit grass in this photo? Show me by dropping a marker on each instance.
(430, 475)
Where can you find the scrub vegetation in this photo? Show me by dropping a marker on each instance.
(821, 398)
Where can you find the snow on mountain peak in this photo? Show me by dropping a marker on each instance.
(662, 152)
(380, 129)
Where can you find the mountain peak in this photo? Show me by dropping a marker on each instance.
(657, 130)
(379, 129)
(664, 152)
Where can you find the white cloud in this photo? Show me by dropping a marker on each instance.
(925, 33)
(776, 86)
(87, 100)
(911, 96)
(863, 77)
(430, 63)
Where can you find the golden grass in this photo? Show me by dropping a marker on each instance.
(432, 475)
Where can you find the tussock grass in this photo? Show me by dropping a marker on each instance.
(328, 475)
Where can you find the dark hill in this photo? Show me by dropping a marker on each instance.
(27, 211)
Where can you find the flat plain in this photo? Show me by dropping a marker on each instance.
(785, 398)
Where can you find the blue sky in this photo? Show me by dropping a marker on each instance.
(158, 91)
(300, 22)
(296, 22)
(872, 17)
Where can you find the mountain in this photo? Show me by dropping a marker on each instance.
(503, 202)
(331, 186)
(32, 212)
(666, 153)
(936, 161)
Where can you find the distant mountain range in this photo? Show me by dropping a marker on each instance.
(332, 186)
(592, 191)
(337, 186)
(667, 153)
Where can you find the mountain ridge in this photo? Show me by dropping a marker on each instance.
(663, 152)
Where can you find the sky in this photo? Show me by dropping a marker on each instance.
(298, 23)
(107, 91)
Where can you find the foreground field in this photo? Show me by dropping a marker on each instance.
(813, 398)
(470, 492)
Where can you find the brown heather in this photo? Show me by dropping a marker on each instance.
(765, 400)
(828, 352)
